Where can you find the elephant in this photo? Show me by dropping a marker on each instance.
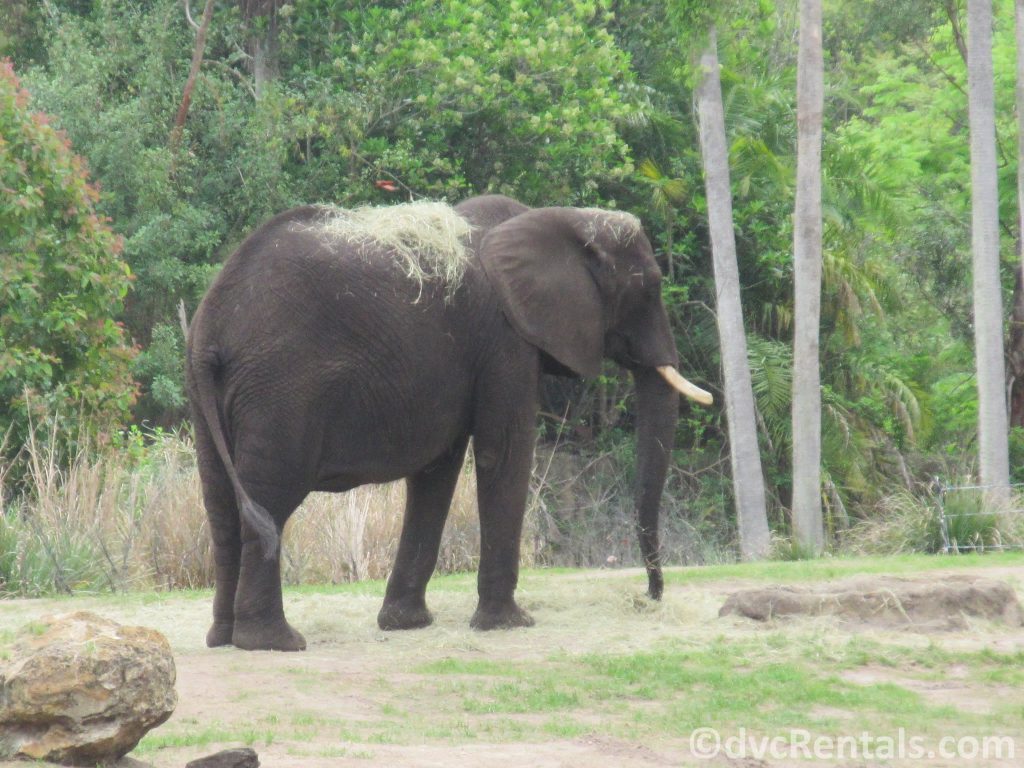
(339, 348)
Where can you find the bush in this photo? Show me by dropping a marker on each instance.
(905, 523)
(62, 282)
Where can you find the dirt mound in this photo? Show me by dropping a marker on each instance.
(944, 604)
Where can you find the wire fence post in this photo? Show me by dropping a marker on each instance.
(943, 521)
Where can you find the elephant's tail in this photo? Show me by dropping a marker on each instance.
(203, 373)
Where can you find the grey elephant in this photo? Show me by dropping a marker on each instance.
(338, 348)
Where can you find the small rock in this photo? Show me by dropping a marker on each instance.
(80, 689)
(131, 762)
(229, 758)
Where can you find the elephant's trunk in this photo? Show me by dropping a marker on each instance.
(657, 411)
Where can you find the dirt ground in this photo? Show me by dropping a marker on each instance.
(360, 697)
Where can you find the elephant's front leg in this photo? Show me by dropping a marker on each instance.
(428, 497)
(503, 448)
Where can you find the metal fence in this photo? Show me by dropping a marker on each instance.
(969, 515)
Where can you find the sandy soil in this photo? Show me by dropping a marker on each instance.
(329, 705)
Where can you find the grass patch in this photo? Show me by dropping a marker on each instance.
(732, 684)
(839, 567)
(454, 666)
(767, 683)
(191, 735)
(770, 571)
(566, 729)
(534, 695)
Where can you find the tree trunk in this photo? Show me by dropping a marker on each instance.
(988, 304)
(745, 457)
(1015, 353)
(263, 43)
(807, 517)
(1015, 350)
(193, 73)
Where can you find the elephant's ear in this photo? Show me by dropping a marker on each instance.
(542, 265)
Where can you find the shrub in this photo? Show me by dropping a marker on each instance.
(62, 282)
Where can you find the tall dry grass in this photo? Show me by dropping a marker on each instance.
(965, 520)
(335, 538)
(113, 520)
(133, 518)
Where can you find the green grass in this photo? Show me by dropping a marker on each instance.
(839, 567)
(534, 695)
(766, 683)
(453, 666)
(786, 571)
(193, 735)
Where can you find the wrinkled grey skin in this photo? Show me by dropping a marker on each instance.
(312, 368)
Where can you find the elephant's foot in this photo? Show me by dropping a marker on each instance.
(404, 615)
(220, 633)
(506, 615)
(262, 636)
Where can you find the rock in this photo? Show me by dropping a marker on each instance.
(229, 758)
(79, 689)
(943, 604)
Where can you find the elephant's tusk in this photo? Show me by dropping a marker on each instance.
(692, 391)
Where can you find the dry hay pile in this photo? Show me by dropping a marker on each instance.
(428, 239)
(943, 604)
(623, 226)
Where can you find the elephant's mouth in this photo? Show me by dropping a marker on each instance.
(618, 348)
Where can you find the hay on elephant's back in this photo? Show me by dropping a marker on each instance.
(623, 226)
(429, 240)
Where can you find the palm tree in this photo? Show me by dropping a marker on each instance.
(747, 477)
(807, 516)
(988, 302)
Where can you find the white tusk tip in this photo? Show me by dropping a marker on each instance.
(684, 387)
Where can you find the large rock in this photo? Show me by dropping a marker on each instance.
(79, 689)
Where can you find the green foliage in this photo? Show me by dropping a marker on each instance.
(516, 97)
(34, 563)
(62, 281)
(21, 35)
(161, 369)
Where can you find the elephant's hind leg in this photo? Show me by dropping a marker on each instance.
(429, 495)
(259, 607)
(222, 518)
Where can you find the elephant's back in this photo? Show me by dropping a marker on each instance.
(292, 285)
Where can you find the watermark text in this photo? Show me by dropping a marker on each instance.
(799, 743)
